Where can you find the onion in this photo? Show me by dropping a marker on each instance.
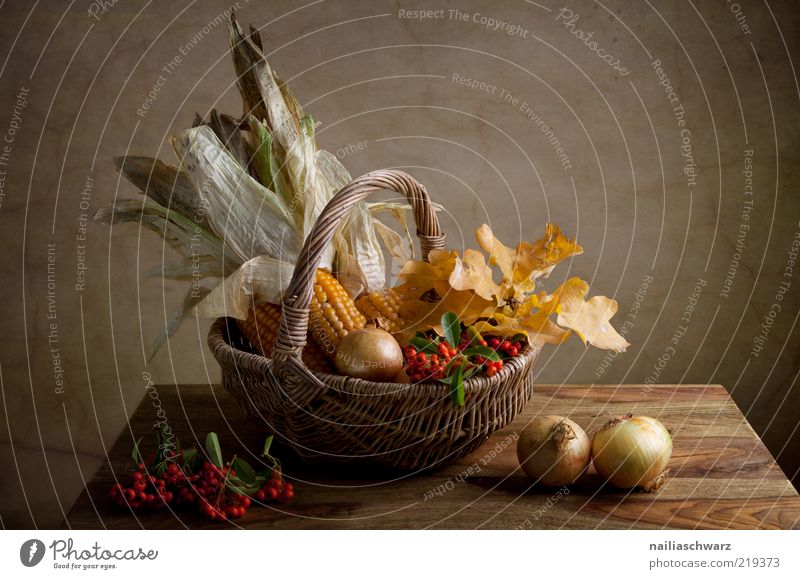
(632, 451)
(370, 354)
(553, 450)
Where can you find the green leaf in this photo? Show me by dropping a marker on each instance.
(457, 386)
(267, 445)
(470, 373)
(473, 335)
(484, 351)
(213, 449)
(159, 445)
(189, 458)
(424, 345)
(452, 328)
(136, 455)
(244, 471)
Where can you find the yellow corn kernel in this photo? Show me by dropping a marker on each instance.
(332, 315)
(383, 304)
(261, 326)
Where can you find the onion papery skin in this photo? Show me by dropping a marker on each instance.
(370, 354)
(632, 451)
(554, 451)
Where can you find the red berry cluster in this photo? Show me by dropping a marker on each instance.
(421, 366)
(275, 490)
(217, 501)
(505, 347)
(208, 489)
(144, 492)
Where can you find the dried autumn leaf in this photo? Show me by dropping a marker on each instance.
(419, 277)
(471, 272)
(531, 317)
(422, 314)
(590, 319)
(521, 266)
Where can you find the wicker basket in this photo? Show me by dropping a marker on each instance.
(338, 418)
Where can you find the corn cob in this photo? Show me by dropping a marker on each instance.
(261, 329)
(383, 304)
(332, 315)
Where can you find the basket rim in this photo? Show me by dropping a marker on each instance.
(222, 348)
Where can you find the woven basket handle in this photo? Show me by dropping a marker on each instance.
(294, 319)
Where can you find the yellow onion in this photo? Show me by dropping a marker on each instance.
(632, 451)
(553, 450)
(370, 354)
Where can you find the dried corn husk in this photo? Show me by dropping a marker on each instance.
(261, 279)
(242, 203)
(251, 219)
(189, 269)
(186, 237)
(267, 161)
(261, 91)
(194, 295)
(164, 184)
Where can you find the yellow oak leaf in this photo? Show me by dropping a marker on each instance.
(538, 328)
(423, 314)
(418, 277)
(521, 266)
(531, 317)
(473, 273)
(589, 319)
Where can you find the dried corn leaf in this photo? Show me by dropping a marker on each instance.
(227, 130)
(346, 267)
(310, 196)
(364, 246)
(267, 161)
(294, 106)
(332, 176)
(398, 246)
(400, 212)
(245, 75)
(335, 174)
(192, 297)
(190, 269)
(164, 184)
(180, 233)
(260, 89)
(260, 279)
(250, 218)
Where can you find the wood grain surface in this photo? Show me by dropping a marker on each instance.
(721, 475)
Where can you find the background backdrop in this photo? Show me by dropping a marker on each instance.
(663, 134)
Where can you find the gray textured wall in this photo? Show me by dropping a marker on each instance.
(660, 207)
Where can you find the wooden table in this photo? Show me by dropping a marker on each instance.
(722, 476)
